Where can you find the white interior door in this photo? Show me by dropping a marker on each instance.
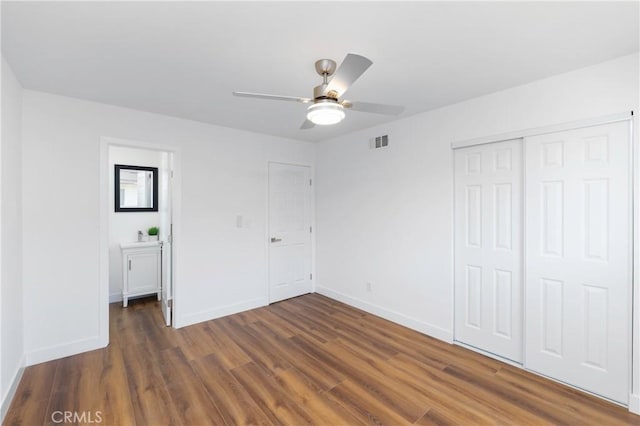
(488, 247)
(166, 227)
(289, 231)
(578, 257)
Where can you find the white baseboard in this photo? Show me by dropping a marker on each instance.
(223, 311)
(65, 349)
(115, 297)
(634, 403)
(412, 323)
(11, 392)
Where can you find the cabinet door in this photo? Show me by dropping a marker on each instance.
(578, 257)
(488, 252)
(143, 271)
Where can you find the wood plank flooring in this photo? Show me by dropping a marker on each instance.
(308, 360)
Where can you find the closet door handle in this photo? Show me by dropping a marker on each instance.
(129, 264)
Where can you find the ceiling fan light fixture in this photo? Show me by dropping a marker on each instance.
(325, 113)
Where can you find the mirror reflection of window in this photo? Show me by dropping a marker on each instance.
(136, 188)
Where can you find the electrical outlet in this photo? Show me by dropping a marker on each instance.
(368, 284)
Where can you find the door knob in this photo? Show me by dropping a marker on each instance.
(275, 240)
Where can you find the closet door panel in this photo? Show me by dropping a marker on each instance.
(488, 248)
(578, 264)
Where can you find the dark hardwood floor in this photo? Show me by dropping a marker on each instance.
(308, 360)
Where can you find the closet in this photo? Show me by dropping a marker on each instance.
(543, 253)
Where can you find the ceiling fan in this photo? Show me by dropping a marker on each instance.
(327, 105)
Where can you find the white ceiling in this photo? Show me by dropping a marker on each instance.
(185, 58)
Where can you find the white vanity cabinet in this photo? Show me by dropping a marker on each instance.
(141, 270)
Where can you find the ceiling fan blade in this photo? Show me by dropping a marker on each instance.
(307, 125)
(272, 97)
(349, 71)
(374, 108)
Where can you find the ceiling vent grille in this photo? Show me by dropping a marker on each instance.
(380, 142)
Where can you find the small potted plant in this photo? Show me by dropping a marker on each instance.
(153, 233)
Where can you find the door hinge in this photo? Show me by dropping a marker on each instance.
(171, 173)
(310, 229)
(310, 276)
(310, 182)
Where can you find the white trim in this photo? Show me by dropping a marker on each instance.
(634, 398)
(65, 349)
(103, 249)
(267, 284)
(312, 176)
(223, 311)
(11, 392)
(398, 318)
(632, 223)
(267, 244)
(453, 246)
(523, 255)
(542, 130)
(634, 403)
(176, 219)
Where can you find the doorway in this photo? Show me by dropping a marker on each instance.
(132, 238)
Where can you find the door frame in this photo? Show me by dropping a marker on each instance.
(103, 190)
(634, 302)
(312, 220)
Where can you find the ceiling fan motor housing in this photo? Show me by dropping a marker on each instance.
(320, 92)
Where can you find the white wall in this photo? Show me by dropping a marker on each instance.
(220, 269)
(11, 291)
(385, 216)
(124, 226)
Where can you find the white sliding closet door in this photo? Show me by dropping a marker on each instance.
(488, 247)
(578, 264)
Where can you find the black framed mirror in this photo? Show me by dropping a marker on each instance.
(136, 188)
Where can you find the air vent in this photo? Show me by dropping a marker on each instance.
(380, 142)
